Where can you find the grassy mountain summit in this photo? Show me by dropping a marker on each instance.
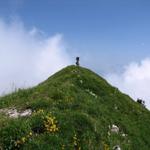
(74, 109)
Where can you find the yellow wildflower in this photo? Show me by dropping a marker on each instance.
(50, 124)
(23, 139)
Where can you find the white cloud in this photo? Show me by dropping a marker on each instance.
(27, 57)
(135, 80)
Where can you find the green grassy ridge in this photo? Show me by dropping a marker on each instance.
(84, 105)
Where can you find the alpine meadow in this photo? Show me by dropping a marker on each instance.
(74, 109)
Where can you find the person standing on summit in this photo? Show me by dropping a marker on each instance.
(77, 61)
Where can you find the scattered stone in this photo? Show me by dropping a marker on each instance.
(108, 133)
(81, 81)
(124, 135)
(117, 147)
(13, 113)
(25, 113)
(116, 107)
(91, 93)
(114, 129)
(74, 71)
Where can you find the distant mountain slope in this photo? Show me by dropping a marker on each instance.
(74, 109)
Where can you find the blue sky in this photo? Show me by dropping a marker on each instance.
(112, 37)
(114, 32)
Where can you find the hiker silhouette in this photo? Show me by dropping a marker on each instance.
(77, 61)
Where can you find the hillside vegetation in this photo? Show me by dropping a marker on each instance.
(74, 109)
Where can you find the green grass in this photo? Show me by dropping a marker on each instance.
(69, 95)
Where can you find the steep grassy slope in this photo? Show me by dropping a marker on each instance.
(74, 109)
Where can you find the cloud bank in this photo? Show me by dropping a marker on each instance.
(135, 80)
(27, 56)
